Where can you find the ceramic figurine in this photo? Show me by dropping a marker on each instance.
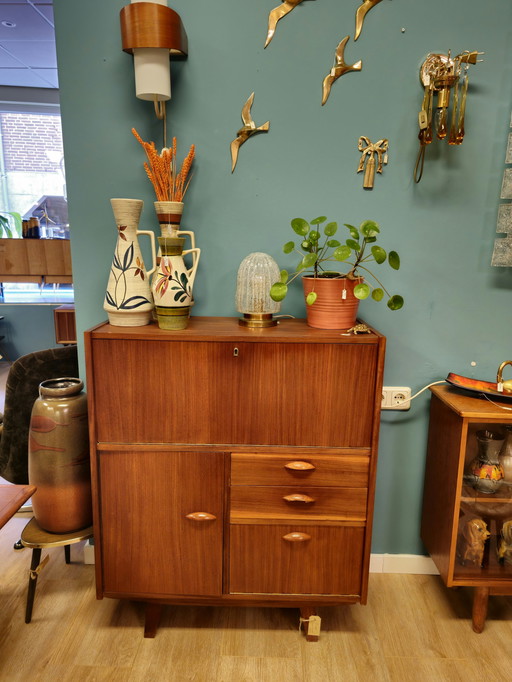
(471, 544)
(505, 546)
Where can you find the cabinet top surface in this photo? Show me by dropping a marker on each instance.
(472, 407)
(228, 328)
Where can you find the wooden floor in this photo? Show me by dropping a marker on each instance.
(412, 629)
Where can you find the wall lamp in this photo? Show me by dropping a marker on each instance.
(152, 32)
(441, 74)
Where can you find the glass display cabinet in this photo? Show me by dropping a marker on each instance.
(467, 500)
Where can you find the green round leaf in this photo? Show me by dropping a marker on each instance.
(333, 243)
(278, 291)
(311, 297)
(354, 233)
(330, 229)
(369, 228)
(342, 252)
(395, 302)
(319, 220)
(314, 236)
(309, 260)
(379, 254)
(352, 244)
(288, 247)
(361, 291)
(377, 294)
(306, 245)
(394, 260)
(300, 226)
(284, 276)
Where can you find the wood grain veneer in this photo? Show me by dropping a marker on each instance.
(192, 437)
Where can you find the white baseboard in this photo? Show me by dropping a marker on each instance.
(402, 563)
(379, 563)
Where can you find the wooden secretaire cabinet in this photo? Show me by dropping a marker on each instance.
(233, 466)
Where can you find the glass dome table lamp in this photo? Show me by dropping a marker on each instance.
(256, 274)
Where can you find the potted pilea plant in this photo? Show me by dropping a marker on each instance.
(332, 297)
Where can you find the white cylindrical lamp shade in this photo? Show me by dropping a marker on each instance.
(152, 73)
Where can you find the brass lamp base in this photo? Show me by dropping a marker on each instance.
(257, 320)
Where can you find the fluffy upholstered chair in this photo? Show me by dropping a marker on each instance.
(21, 391)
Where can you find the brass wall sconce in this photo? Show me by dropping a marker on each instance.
(441, 74)
(152, 32)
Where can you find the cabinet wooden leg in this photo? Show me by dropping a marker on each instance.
(480, 602)
(311, 621)
(152, 619)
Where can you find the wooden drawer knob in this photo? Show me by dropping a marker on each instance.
(299, 497)
(201, 516)
(296, 537)
(299, 466)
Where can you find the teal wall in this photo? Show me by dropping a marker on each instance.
(457, 306)
(27, 328)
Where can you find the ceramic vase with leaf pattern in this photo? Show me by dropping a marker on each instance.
(128, 299)
(173, 282)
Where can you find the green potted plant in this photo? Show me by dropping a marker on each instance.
(333, 297)
(10, 224)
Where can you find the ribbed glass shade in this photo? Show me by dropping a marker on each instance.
(256, 274)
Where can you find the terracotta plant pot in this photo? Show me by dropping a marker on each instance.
(333, 309)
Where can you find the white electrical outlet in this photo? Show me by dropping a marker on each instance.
(396, 398)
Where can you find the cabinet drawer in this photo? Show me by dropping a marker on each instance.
(293, 469)
(268, 560)
(280, 502)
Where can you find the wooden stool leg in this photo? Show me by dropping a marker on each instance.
(480, 602)
(153, 613)
(67, 553)
(32, 582)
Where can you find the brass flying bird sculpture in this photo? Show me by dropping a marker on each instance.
(361, 12)
(246, 131)
(278, 13)
(340, 67)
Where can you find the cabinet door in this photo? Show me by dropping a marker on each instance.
(310, 394)
(317, 394)
(150, 544)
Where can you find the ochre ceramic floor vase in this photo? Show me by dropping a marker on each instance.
(335, 307)
(59, 456)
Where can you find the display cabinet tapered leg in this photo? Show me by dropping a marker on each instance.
(32, 582)
(152, 621)
(480, 602)
(67, 554)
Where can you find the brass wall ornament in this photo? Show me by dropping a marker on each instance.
(441, 74)
(339, 68)
(278, 13)
(367, 160)
(246, 131)
(361, 12)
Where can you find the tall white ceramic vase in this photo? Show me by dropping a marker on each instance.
(128, 299)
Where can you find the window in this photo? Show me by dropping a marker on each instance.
(32, 184)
